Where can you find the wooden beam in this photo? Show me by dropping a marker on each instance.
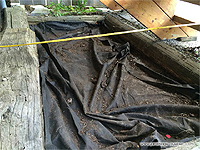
(111, 4)
(169, 11)
(185, 21)
(164, 55)
(196, 2)
(168, 6)
(85, 18)
(149, 14)
(21, 117)
(188, 11)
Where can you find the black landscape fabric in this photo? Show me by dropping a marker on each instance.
(102, 94)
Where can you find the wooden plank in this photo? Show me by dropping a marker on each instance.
(111, 4)
(188, 11)
(21, 121)
(168, 6)
(149, 14)
(85, 18)
(197, 2)
(164, 5)
(180, 20)
(162, 54)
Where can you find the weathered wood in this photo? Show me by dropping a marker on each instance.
(180, 20)
(21, 122)
(196, 2)
(85, 18)
(188, 11)
(164, 55)
(185, 21)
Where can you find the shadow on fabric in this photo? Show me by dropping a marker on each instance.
(98, 95)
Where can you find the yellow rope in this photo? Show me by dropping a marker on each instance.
(101, 35)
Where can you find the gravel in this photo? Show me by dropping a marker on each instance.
(190, 49)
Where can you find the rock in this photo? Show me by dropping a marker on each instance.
(39, 10)
(186, 39)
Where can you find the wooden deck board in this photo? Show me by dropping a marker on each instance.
(153, 13)
(85, 18)
(149, 14)
(162, 54)
(168, 6)
(21, 123)
(180, 20)
(111, 4)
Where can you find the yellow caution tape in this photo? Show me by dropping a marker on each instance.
(101, 35)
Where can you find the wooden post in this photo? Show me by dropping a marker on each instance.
(21, 122)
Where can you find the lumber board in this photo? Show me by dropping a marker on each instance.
(162, 54)
(196, 2)
(192, 29)
(153, 13)
(111, 4)
(149, 14)
(170, 11)
(164, 5)
(21, 122)
(188, 11)
(85, 18)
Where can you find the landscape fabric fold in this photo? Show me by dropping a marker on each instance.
(100, 93)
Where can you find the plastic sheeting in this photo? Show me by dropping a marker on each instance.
(98, 95)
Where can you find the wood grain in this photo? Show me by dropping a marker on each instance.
(85, 18)
(111, 4)
(21, 123)
(162, 54)
(149, 14)
(181, 20)
(168, 6)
